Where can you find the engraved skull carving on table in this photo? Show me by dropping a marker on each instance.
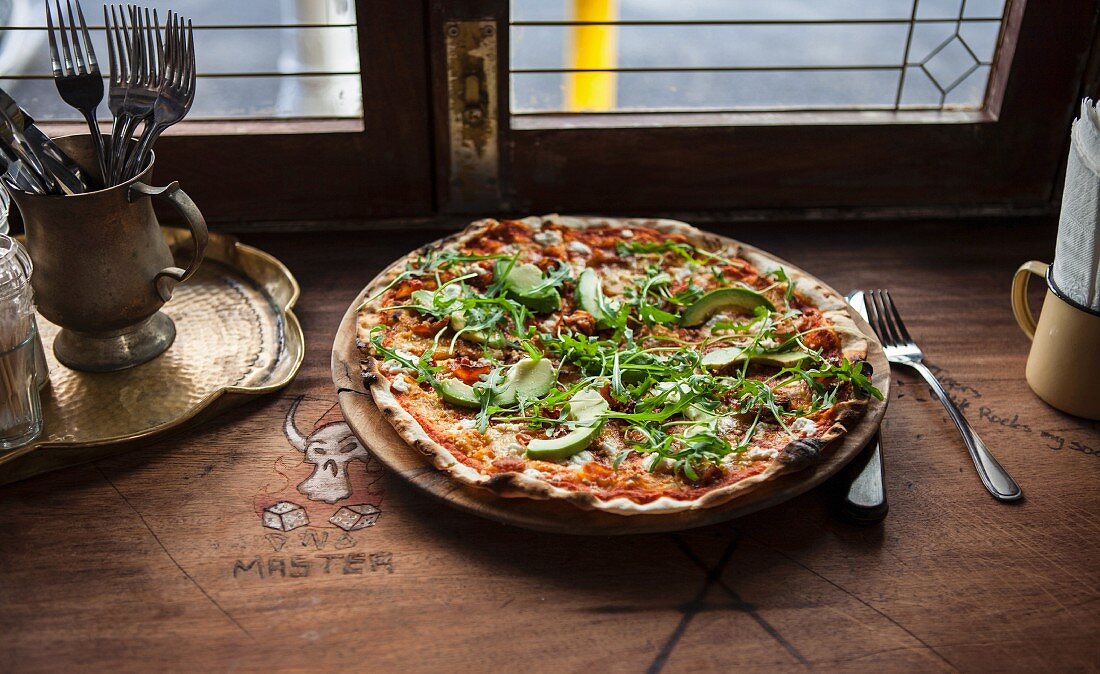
(331, 449)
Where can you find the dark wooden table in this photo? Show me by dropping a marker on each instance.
(158, 558)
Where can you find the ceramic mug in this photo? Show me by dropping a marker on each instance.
(1063, 367)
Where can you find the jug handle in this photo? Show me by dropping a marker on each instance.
(167, 278)
(1020, 306)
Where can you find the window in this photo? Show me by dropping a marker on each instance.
(644, 56)
(278, 60)
(786, 108)
(741, 56)
(278, 131)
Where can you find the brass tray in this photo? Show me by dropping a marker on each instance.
(236, 338)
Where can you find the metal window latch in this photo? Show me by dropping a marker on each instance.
(472, 124)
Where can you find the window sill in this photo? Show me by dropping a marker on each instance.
(638, 120)
(232, 127)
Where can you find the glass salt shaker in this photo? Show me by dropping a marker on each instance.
(20, 406)
(42, 367)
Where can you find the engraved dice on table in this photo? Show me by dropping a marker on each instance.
(285, 516)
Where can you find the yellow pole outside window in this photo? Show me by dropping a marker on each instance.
(592, 47)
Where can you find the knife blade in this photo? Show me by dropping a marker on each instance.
(37, 151)
(12, 140)
(864, 498)
(16, 176)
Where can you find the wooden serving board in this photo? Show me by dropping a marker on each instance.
(372, 429)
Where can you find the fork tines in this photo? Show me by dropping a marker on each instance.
(81, 64)
(175, 86)
(885, 319)
(152, 80)
(75, 70)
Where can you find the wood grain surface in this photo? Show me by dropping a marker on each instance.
(404, 462)
(158, 559)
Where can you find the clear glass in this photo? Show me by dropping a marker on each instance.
(20, 406)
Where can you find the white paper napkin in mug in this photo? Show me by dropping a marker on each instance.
(1077, 254)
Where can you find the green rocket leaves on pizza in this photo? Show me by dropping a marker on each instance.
(625, 367)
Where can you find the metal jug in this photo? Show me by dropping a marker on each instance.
(102, 267)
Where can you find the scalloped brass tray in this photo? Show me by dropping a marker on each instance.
(236, 338)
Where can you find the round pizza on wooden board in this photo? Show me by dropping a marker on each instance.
(627, 367)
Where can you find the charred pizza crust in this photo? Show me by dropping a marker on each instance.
(796, 455)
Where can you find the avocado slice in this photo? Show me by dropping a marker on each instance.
(528, 377)
(428, 298)
(590, 297)
(722, 298)
(520, 284)
(585, 406)
(424, 298)
(730, 355)
(458, 322)
(458, 393)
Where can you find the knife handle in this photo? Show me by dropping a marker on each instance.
(865, 497)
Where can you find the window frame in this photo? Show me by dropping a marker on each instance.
(1006, 158)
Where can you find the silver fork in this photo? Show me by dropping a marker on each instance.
(146, 69)
(902, 350)
(77, 76)
(177, 89)
(119, 56)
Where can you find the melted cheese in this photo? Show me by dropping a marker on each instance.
(762, 453)
(578, 247)
(581, 458)
(548, 237)
(399, 384)
(805, 427)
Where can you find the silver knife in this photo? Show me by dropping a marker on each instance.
(37, 151)
(12, 140)
(16, 176)
(864, 498)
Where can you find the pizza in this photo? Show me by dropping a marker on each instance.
(628, 366)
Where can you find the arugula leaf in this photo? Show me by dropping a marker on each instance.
(428, 264)
(485, 393)
(687, 252)
(781, 276)
(425, 371)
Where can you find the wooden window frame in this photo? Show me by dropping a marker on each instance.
(1006, 158)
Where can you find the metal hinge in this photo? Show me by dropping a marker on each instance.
(472, 124)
